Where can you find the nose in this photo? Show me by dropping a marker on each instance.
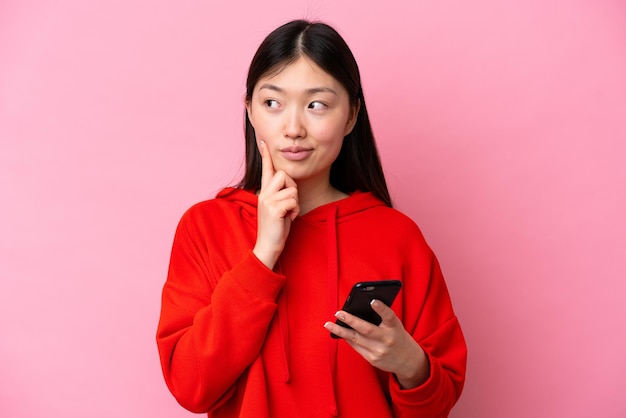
(294, 126)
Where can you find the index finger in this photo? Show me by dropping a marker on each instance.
(267, 166)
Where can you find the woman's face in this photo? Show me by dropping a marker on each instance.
(302, 113)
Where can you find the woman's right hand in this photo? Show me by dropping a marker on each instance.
(277, 208)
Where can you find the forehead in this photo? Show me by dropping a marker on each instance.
(302, 74)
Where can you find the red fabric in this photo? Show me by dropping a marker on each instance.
(236, 339)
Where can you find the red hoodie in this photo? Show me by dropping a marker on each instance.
(239, 340)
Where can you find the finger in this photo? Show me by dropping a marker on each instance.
(284, 208)
(359, 325)
(278, 180)
(293, 214)
(276, 192)
(291, 184)
(286, 188)
(342, 332)
(387, 314)
(267, 170)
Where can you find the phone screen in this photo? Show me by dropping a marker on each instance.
(358, 301)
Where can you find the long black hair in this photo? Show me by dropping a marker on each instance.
(357, 166)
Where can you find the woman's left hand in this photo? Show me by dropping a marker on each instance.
(388, 346)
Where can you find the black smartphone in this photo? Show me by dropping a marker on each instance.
(358, 301)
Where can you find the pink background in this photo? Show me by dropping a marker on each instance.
(502, 129)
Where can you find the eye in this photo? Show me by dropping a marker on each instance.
(271, 103)
(317, 106)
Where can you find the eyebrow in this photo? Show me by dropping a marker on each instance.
(313, 90)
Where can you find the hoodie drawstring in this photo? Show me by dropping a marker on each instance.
(283, 324)
(333, 284)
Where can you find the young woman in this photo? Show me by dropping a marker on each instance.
(257, 275)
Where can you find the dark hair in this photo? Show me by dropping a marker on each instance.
(357, 166)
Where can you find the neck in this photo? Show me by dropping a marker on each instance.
(315, 194)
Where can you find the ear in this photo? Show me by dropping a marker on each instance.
(249, 112)
(354, 114)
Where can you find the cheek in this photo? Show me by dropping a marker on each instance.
(331, 140)
(331, 134)
(262, 128)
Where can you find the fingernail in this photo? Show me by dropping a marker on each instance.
(339, 315)
(373, 302)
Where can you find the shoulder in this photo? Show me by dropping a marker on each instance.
(202, 210)
(203, 207)
(228, 205)
(395, 219)
(406, 233)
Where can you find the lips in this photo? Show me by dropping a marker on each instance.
(296, 153)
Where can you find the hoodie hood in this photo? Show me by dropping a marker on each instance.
(331, 214)
(358, 201)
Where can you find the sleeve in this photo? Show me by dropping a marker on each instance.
(437, 330)
(208, 334)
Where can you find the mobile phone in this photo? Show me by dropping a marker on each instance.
(358, 301)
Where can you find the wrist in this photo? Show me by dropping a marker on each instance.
(415, 373)
(269, 258)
